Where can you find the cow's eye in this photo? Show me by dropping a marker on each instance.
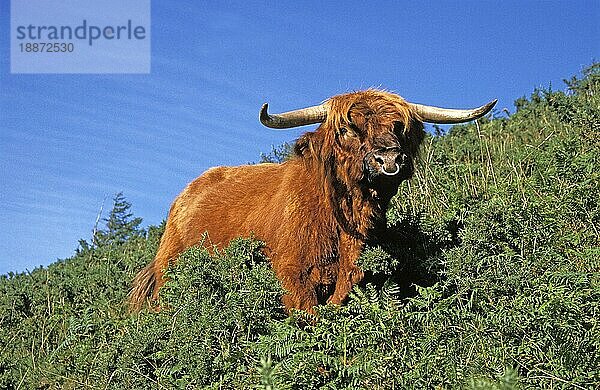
(347, 132)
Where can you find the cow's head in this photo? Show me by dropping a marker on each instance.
(369, 137)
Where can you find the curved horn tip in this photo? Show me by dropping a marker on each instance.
(488, 107)
(264, 115)
(263, 110)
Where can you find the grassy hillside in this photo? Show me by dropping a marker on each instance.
(489, 277)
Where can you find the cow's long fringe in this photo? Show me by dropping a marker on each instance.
(143, 287)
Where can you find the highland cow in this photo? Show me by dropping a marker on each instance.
(314, 211)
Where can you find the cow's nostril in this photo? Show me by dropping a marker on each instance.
(379, 160)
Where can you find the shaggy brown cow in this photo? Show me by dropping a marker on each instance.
(314, 211)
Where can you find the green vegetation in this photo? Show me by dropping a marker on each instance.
(489, 278)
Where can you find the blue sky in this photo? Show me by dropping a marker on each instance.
(68, 141)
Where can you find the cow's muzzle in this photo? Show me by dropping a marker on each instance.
(390, 162)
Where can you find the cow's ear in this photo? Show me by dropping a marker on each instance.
(309, 144)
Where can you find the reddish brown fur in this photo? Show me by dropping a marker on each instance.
(314, 211)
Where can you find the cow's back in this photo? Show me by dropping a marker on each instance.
(229, 202)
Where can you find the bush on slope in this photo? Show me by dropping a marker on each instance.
(487, 278)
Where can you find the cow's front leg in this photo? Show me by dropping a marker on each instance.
(349, 274)
(300, 290)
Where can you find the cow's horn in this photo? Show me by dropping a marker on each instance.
(285, 120)
(446, 115)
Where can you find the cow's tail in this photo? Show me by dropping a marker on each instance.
(143, 288)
